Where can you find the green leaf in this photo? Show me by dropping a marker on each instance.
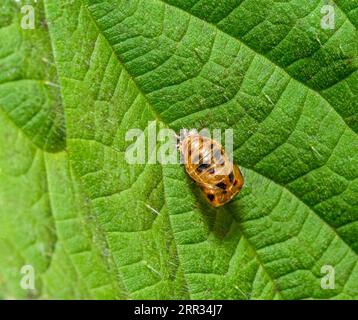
(29, 93)
(95, 227)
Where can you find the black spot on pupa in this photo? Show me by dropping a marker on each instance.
(221, 185)
(231, 177)
(235, 182)
(211, 197)
(202, 167)
(211, 170)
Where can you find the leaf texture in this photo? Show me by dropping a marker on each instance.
(95, 227)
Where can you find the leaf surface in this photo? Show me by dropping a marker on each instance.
(94, 226)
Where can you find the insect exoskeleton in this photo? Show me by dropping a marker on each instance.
(209, 166)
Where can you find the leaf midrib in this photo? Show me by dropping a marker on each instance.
(126, 292)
